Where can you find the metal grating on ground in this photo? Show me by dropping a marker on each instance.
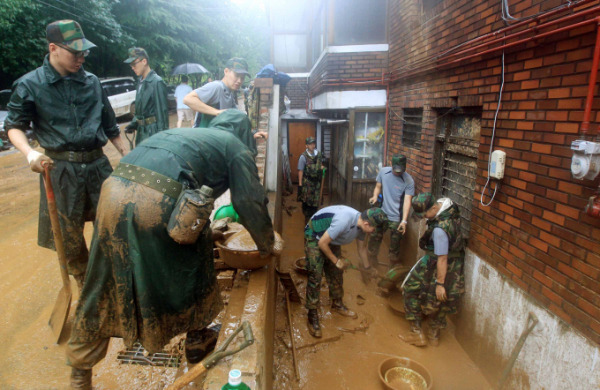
(136, 355)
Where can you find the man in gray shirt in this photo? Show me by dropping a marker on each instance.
(398, 189)
(324, 234)
(217, 96)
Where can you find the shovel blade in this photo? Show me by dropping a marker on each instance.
(60, 312)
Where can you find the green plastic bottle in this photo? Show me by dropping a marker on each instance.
(235, 381)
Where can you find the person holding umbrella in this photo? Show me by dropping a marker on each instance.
(215, 97)
(184, 113)
(151, 109)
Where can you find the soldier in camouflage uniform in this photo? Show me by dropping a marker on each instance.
(435, 284)
(324, 234)
(310, 172)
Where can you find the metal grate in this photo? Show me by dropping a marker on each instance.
(136, 355)
(411, 130)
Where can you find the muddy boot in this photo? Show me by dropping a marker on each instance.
(434, 336)
(199, 343)
(338, 306)
(81, 379)
(415, 336)
(313, 323)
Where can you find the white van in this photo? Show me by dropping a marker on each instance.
(121, 94)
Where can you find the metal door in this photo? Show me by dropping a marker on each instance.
(455, 160)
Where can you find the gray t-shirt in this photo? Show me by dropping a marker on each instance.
(216, 95)
(393, 188)
(340, 222)
(440, 241)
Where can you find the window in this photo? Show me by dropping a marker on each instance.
(411, 130)
(359, 22)
(368, 144)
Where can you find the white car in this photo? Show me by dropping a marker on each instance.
(121, 94)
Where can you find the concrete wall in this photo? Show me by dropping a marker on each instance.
(494, 313)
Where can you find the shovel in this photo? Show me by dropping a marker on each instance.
(214, 357)
(63, 301)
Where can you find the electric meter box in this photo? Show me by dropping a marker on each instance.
(497, 164)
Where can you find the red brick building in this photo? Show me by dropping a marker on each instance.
(448, 61)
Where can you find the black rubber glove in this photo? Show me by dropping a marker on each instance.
(129, 129)
(299, 195)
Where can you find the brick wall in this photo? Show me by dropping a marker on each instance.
(535, 232)
(297, 91)
(342, 67)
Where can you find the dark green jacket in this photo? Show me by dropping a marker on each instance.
(141, 284)
(66, 113)
(150, 101)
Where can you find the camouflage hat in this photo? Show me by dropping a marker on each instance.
(311, 140)
(238, 65)
(134, 53)
(68, 33)
(376, 216)
(421, 203)
(399, 163)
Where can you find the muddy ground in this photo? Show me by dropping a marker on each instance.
(30, 281)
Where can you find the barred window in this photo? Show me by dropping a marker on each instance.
(411, 130)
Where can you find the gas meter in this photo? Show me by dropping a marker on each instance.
(585, 163)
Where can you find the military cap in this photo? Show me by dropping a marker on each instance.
(376, 216)
(399, 163)
(238, 65)
(134, 53)
(422, 202)
(311, 140)
(68, 33)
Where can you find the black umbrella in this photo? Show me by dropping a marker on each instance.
(189, 68)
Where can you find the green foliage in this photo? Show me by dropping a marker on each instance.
(172, 32)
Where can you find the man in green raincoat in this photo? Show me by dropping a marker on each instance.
(151, 109)
(437, 280)
(72, 120)
(142, 285)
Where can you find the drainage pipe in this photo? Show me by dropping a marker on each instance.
(527, 30)
(585, 124)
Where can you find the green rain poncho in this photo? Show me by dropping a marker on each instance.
(150, 102)
(142, 285)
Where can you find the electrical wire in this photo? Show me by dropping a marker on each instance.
(492, 144)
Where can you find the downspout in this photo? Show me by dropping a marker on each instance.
(585, 124)
(387, 117)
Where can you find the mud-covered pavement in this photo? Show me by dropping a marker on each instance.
(350, 352)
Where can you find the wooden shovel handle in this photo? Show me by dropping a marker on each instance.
(58, 238)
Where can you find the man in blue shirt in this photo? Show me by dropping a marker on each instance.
(184, 113)
(324, 234)
(398, 188)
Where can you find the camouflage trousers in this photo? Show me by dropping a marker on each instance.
(317, 264)
(419, 291)
(376, 237)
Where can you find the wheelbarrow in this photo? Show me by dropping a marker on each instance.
(214, 357)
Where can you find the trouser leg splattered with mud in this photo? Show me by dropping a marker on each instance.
(375, 242)
(317, 264)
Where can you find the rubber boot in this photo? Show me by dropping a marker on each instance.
(199, 343)
(313, 323)
(433, 335)
(415, 336)
(338, 306)
(81, 379)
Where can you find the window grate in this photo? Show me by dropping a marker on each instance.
(137, 355)
(411, 129)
